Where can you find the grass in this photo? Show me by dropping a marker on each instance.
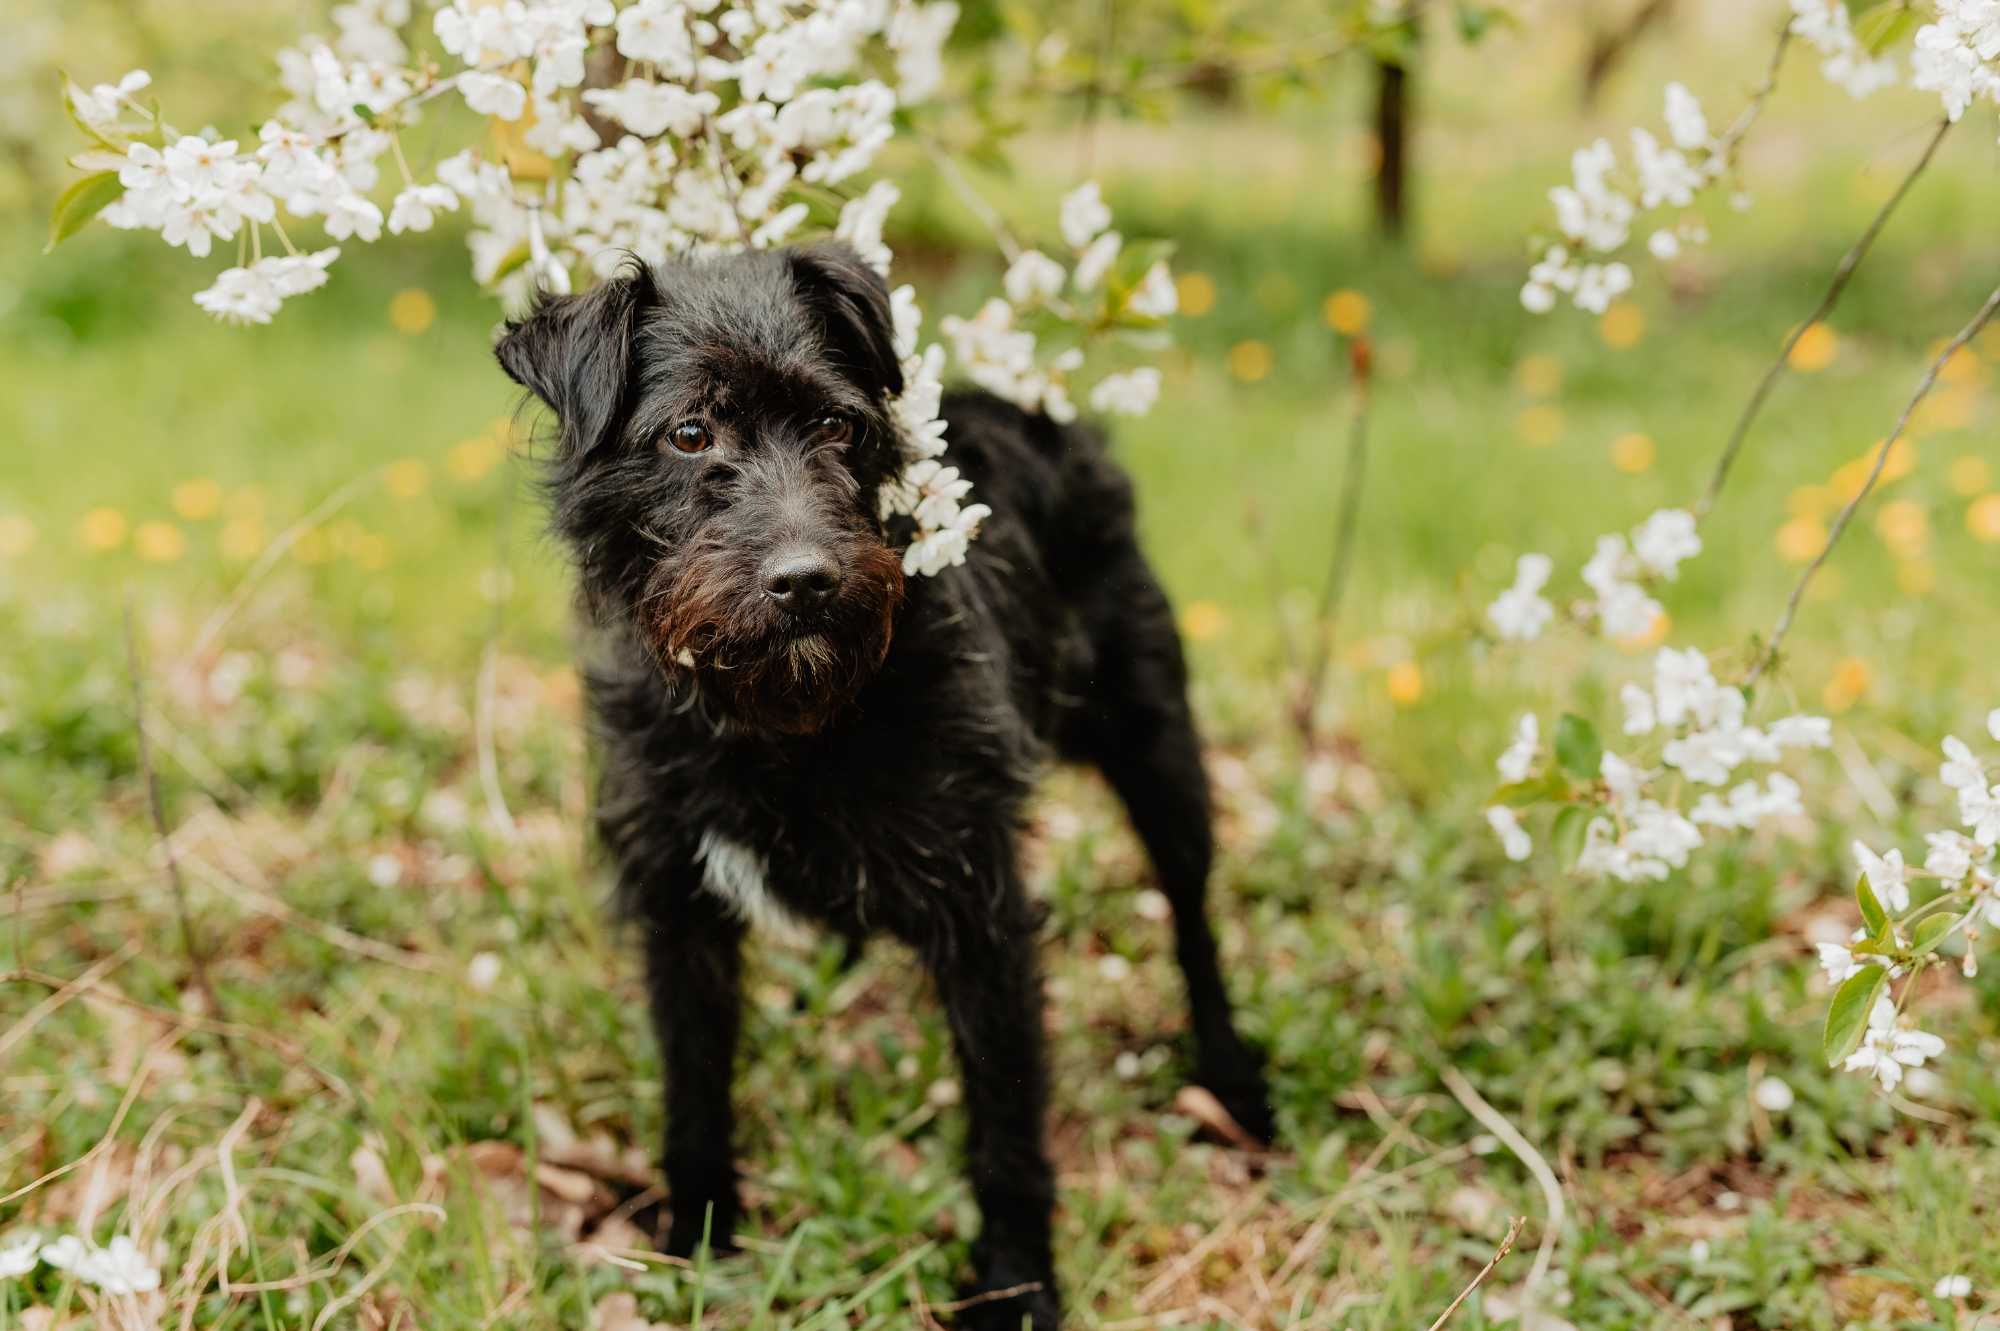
(427, 1065)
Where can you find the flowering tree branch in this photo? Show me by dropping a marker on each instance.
(730, 126)
(1841, 275)
(1846, 515)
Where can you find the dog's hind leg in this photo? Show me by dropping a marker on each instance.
(694, 966)
(1137, 728)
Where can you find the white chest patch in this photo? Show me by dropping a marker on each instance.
(735, 873)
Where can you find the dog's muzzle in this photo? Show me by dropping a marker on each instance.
(783, 641)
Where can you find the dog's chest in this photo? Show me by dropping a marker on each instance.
(739, 877)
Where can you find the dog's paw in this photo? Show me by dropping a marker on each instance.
(1010, 1296)
(691, 1225)
(1245, 1096)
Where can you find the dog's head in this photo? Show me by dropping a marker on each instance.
(723, 435)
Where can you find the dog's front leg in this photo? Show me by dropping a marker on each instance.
(694, 962)
(984, 966)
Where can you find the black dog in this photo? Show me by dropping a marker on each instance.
(792, 731)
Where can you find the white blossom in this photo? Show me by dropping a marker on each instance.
(1685, 121)
(19, 1254)
(1773, 1095)
(493, 94)
(917, 35)
(1084, 215)
(1521, 612)
(647, 108)
(1664, 540)
(1518, 758)
(656, 32)
(1514, 840)
(1096, 261)
(1839, 963)
(1131, 393)
(1887, 876)
(861, 222)
(416, 207)
(1824, 25)
(118, 1269)
(105, 103)
(1890, 1048)
(1033, 278)
(1156, 297)
(1640, 717)
(253, 294)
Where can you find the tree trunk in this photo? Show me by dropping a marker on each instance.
(1608, 48)
(1392, 137)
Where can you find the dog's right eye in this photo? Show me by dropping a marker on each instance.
(690, 437)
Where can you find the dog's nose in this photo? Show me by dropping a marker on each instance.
(801, 579)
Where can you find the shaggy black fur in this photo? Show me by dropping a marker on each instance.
(787, 726)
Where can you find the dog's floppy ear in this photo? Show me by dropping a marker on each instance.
(851, 302)
(575, 352)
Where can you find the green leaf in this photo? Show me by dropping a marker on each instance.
(1578, 749)
(1873, 917)
(509, 261)
(1883, 26)
(1847, 1018)
(83, 200)
(1572, 823)
(1545, 786)
(1931, 931)
(364, 112)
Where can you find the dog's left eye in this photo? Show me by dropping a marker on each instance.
(690, 437)
(833, 429)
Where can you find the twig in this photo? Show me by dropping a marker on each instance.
(197, 962)
(1506, 1246)
(103, 1144)
(731, 186)
(1197, 68)
(91, 984)
(1841, 275)
(1924, 386)
(276, 550)
(64, 991)
(975, 203)
(1510, 1137)
(987, 1296)
(1187, 1261)
(1325, 620)
(482, 711)
(1093, 97)
(1759, 95)
(249, 897)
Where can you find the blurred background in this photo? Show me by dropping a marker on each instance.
(356, 649)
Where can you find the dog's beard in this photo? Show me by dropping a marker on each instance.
(710, 623)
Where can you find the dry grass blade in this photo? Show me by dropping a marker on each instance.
(65, 991)
(212, 628)
(197, 962)
(1506, 1246)
(1510, 1137)
(1188, 1260)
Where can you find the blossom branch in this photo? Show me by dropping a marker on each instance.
(1747, 117)
(1841, 276)
(969, 195)
(1846, 515)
